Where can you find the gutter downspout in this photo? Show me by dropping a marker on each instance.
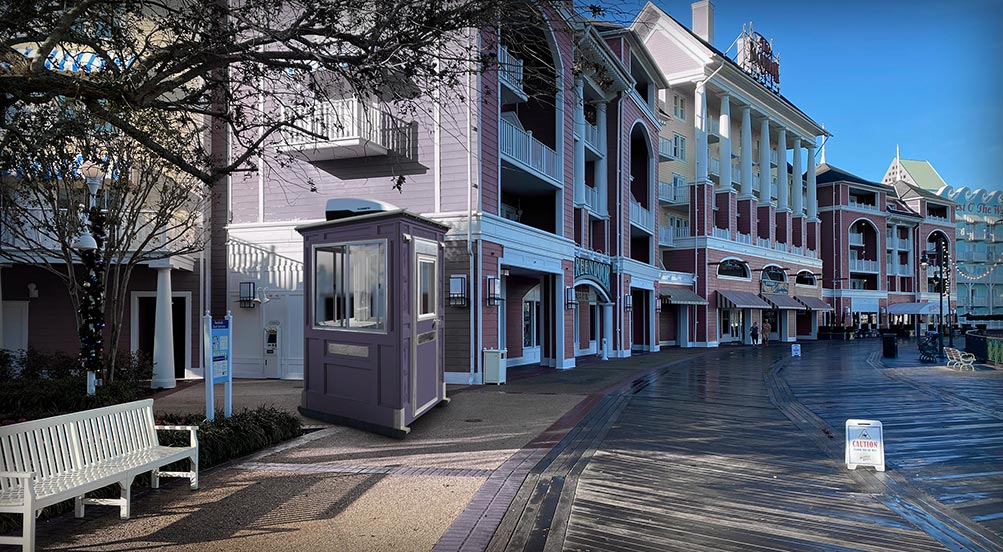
(474, 278)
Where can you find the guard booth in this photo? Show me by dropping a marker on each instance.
(373, 354)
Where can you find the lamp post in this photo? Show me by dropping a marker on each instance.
(942, 259)
(92, 300)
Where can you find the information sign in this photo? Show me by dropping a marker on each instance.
(865, 445)
(217, 360)
(796, 350)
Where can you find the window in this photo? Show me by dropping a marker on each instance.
(426, 288)
(774, 273)
(679, 147)
(679, 107)
(350, 286)
(678, 181)
(805, 279)
(733, 268)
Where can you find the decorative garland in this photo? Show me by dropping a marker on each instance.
(92, 320)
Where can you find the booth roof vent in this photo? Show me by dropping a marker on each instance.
(352, 207)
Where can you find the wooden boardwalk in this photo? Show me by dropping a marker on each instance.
(714, 454)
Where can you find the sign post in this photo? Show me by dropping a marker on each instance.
(865, 444)
(217, 360)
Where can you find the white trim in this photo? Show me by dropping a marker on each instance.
(190, 371)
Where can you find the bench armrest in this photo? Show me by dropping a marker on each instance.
(17, 475)
(192, 430)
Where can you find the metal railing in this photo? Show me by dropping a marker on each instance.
(510, 68)
(714, 167)
(592, 198)
(352, 118)
(856, 238)
(522, 147)
(863, 265)
(666, 148)
(722, 233)
(640, 216)
(592, 136)
(666, 235)
(672, 192)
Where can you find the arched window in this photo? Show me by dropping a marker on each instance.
(805, 278)
(733, 268)
(775, 273)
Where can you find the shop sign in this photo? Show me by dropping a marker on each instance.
(865, 444)
(594, 270)
(774, 287)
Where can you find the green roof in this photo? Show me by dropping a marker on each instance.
(923, 174)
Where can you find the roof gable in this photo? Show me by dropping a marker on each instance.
(923, 174)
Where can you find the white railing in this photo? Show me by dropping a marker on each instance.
(743, 238)
(773, 188)
(139, 231)
(714, 126)
(722, 233)
(756, 181)
(773, 157)
(681, 231)
(763, 242)
(863, 265)
(811, 253)
(592, 136)
(856, 238)
(854, 204)
(640, 216)
(665, 148)
(780, 246)
(892, 243)
(671, 192)
(352, 119)
(905, 269)
(592, 198)
(665, 235)
(510, 68)
(797, 250)
(522, 147)
(736, 172)
(715, 166)
(891, 269)
(938, 219)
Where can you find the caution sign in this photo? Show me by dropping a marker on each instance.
(865, 445)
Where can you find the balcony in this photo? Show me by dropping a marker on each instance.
(938, 219)
(510, 74)
(348, 129)
(763, 242)
(721, 233)
(665, 149)
(743, 238)
(713, 130)
(674, 192)
(856, 238)
(641, 217)
(863, 265)
(592, 139)
(519, 147)
(178, 232)
(666, 236)
(860, 206)
(714, 167)
(774, 189)
(780, 246)
(773, 158)
(592, 199)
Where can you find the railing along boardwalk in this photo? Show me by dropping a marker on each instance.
(47, 461)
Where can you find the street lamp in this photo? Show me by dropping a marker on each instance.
(92, 303)
(93, 175)
(942, 257)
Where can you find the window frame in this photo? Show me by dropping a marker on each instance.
(679, 146)
(382, 285)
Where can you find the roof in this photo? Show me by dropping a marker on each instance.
(906, 190)
(826, 173)
(923, 174)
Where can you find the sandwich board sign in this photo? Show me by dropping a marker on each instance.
(795, 350)
(865, 444)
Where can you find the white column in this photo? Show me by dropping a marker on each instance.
(700, 131)
(163, 336)
(764, 161)
(560, 362)
(812, 188)
(724, 122)
(652, 318)
(797, 188)
(579, 134)
(607, 330)
(600, 177)
(783, 187)
(746, 146)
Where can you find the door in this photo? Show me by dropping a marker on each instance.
(426, 385)
(15, 325)
(146, 316)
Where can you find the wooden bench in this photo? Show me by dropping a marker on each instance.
(51, 460)
(959, 359)
(928, 349)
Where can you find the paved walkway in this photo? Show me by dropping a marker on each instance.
(735, 448)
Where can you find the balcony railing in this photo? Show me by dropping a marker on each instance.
(592, 198)
(713, 126)
(510, 68)
(856, 238)
(350, 128)
(665, 149)
(854, 204)
(715, 166)
(666, 236)
(763, 242)
(863, 265)
(139, 232)
(641, 217)
(797, 250)
(592, 136)
(671, 192)
(520, 146)
(722, 233)
(743, 238)
(773, 157)
(939, 219)
(780, 246)
(682, 231)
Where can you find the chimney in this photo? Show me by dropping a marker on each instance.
(703, 20)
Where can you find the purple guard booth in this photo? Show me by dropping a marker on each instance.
(374, 310)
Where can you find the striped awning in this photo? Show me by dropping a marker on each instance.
(913, 308)
(72, 62)
(680, 296)
(740, 300)
(782, 302)
(813, 303)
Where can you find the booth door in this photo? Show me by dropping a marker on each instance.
(426, 368)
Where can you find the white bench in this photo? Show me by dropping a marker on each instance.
(47, 461)
(959, 359)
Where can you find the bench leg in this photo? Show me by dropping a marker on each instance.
(28, 532)
(125, 488)
(195, 471)
(155, 479)
(78, 507)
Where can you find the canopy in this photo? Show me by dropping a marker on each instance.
(740, 300)
(680, 296)
(782, 302)
(813, 303)
(913, 308)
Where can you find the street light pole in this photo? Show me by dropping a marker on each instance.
(940, 282)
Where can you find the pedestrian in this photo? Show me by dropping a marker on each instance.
(754, 332)
(766, 333)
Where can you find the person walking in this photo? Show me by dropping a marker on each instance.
(766, 333)
(754, 333)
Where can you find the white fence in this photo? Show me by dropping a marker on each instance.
(640, 216)
(522, 147)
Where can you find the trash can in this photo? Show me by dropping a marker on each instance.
(890, 345)
(494, 365)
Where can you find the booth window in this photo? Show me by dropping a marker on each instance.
(426, 287)
(350, 283)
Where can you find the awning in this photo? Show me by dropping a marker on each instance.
(740, 300)
(912, 308)
(782, 302)
(680, 296)
(813, 303)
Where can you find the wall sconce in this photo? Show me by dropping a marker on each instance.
(458, 290)
(32, 291)
(658, 305)
(628, 301)
(494, 294)
(247, 297)
(569, 298)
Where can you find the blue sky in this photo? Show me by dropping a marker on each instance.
(923, 74)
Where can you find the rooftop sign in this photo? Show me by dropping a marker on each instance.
(756, 57)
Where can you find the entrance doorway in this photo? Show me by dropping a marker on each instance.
(144, 316)
(772, 318)
(732, 326)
